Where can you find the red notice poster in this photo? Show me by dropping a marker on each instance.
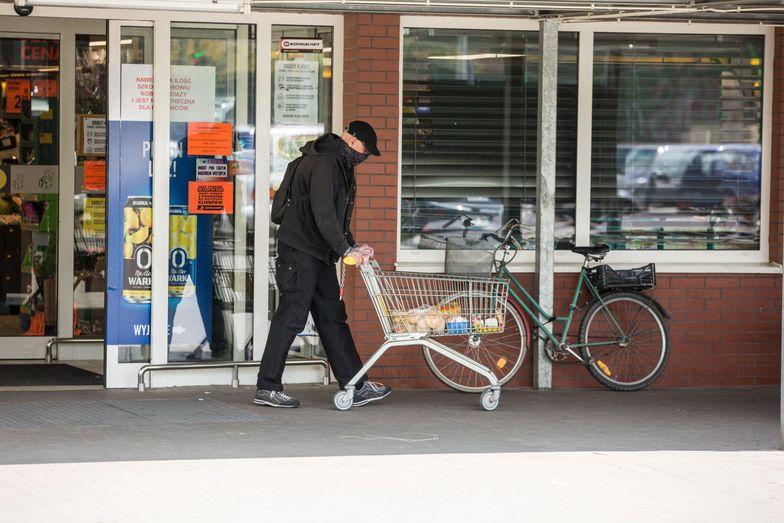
(210, 197)
(209, 139)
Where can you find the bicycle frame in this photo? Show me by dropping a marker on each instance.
(516, 287)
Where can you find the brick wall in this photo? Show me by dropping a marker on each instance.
(725, 328)
(370, 92)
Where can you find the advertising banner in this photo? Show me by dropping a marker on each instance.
(190, 256)
(129, 226)
(129, 234)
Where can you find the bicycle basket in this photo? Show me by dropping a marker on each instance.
(469, 257)
(604, 277)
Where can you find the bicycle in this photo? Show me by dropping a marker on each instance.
(623, 338)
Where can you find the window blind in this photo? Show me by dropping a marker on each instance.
(676, 141)
(470, 133)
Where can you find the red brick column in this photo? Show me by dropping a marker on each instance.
(371, 92)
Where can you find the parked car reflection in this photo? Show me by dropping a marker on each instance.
(691, 176)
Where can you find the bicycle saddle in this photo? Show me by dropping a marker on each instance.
(594, 251)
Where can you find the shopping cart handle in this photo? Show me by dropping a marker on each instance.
(371, 265)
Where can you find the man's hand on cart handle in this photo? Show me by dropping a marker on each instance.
(359, 255)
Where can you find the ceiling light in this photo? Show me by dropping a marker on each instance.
(102, 43)
(221, 6)
(480, 56)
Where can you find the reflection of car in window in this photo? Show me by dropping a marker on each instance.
(692, 176)
(429, 217)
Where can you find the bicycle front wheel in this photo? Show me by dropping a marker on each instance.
(501, 352)
(629, 341)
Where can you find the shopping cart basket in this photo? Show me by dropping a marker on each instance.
(415, 308)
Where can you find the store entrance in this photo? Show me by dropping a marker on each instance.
(52, 212)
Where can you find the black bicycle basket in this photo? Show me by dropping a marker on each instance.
(604, 277)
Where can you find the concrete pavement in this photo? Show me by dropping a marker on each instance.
(208, 454)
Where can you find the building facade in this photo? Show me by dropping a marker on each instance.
(667, 150)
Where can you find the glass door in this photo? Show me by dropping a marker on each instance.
(211, 192)
(301, 110)
(29, 189)
(186, 193)
(129, 231)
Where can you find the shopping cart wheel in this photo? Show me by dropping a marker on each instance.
(489, 399)
(343, 400)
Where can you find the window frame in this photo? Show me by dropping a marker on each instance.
(668, 261)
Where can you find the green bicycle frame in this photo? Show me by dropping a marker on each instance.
(517, 291)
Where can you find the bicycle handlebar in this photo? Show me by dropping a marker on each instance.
(504, 235)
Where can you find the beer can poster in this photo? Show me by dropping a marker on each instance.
(210, 197)
(182, 252)
(137, 249)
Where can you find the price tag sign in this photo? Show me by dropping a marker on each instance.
(17, 90)
(44, 88)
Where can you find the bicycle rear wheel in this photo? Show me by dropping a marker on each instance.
(637, 341)
(501, 352)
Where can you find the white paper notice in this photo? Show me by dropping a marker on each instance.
(94, 135)
(34, 179)
(296, 92)
(192, 93)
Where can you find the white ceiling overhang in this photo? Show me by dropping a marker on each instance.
(742, 11)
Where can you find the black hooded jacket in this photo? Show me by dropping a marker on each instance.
(322, 193)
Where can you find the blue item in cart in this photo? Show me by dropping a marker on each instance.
(457, 327)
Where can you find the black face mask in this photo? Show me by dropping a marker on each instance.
(351, 158)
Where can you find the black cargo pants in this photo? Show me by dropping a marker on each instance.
(307, 284)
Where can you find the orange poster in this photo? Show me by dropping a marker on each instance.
(209, 139)
(210, 197)
(16, 91)
(44, 88)
(95, 175)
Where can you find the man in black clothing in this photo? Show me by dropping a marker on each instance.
(314, 234)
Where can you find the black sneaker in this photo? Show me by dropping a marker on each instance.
(370, 391)
(273, 398)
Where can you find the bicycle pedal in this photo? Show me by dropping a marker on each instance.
(604, 368)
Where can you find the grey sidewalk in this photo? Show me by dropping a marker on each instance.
(209, 455)
(220, 422)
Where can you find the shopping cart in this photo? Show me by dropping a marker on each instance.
(414, 308)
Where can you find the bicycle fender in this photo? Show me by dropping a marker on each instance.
(658, 305)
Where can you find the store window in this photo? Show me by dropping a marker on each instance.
(470, 135)
(90, 186)
(676, 159)
(29, 177)
(212, 183)
(301, 111)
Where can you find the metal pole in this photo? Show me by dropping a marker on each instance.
(545, 185)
